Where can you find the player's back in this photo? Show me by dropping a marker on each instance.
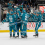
(25, 17)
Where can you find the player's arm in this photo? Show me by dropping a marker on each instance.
(6, 20)
(34, 13)
(37, 14)
(41, 18)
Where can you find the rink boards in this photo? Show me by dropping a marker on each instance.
(30, 27)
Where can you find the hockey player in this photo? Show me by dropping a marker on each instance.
(38, 20)
(9, 6)
(7, 14)
(21, 7)
(17, 8)
(24, 18)
(18, 22)
(11, 20)
(16, 16)
(18, 12)
(14, 8)
(31, 18)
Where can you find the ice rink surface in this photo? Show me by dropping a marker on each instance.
(6, 40)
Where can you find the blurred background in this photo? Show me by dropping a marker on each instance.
(28, 4)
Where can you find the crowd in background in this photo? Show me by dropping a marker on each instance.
(28, 7)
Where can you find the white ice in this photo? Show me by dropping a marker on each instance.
(6, 40)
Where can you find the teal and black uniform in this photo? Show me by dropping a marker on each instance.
(9, 6)
(38, 19)
(18, 22)
(12, 22)
(24, 18)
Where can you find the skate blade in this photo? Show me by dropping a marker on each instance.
(16, 37)
(35, 36)
(11, 37)
(24, 37)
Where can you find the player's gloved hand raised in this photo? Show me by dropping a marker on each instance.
(3, 21)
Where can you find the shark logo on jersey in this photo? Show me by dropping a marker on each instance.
(10, 18)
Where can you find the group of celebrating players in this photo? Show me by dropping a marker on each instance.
(18, 20)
